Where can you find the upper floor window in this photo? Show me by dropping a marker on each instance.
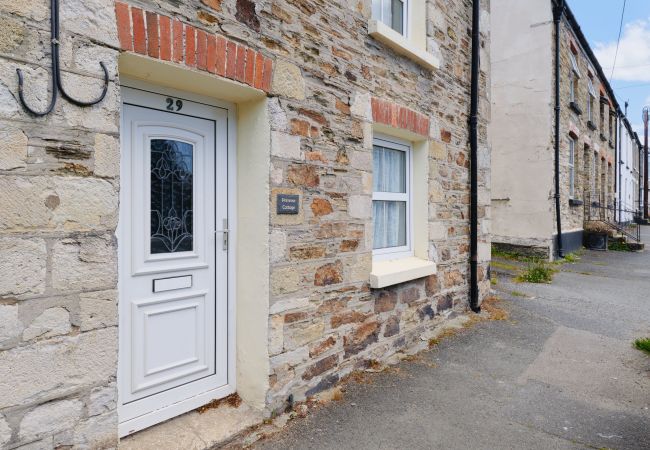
(575, 76)
(393, 13)
(391, 199)
(590, 101)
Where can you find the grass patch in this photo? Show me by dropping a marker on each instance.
(618, 246)
(494, 281)
(537, 272)
(504, 266)
(518, 294)
(572, 258)
(643, 345)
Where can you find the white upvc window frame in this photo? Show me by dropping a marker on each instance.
(404, 251)
(572, 167)
(378, 5)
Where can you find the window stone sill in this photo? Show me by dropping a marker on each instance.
(575, 108)
(395, 271)
(401, 45)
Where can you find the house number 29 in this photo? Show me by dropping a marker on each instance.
(174, 105)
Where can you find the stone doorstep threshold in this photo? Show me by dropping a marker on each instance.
(194, 430)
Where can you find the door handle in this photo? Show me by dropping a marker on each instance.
(225, 232)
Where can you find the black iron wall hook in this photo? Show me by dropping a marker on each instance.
(57, 85)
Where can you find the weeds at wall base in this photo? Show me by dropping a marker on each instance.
(537, 272)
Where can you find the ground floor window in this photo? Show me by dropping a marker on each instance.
(391, 199)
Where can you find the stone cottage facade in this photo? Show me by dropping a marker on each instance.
(271, 195)
(523, 87)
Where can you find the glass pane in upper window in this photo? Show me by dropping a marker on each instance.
(389, 170)
(171, 196)
(376, 9)
(592, 91)
(387, 12)
(389, 219)
(574, 64)
(390, 12)
(397, 16)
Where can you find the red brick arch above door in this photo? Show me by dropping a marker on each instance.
(168, 39)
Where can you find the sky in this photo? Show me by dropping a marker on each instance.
(600, 22)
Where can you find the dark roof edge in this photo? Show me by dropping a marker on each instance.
(590, 54)
(630, 130)
(592, 57)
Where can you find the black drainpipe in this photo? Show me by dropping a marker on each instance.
(558, 10)
(473, 142)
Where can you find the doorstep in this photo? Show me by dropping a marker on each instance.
(194, 430)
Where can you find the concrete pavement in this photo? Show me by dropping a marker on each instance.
(561, 373)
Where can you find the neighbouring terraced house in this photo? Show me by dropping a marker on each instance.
(629, 181)
(528, 158)
(269, 196)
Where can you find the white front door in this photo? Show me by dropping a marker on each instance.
(173, 245)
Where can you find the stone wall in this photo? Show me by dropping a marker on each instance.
(59, 181)
(587, 140)
(325, 321)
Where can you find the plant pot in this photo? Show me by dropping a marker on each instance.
(596, 241)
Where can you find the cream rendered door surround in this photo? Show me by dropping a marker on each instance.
(173, 238)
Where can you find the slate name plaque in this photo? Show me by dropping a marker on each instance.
(288, 204)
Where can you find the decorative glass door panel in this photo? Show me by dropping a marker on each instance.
(171, 196)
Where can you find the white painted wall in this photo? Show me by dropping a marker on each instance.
(521, 127)
(629, 172)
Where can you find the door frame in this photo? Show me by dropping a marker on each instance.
(167, 412)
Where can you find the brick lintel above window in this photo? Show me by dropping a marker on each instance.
(400, 117)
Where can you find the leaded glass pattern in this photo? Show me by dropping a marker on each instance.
(171, 196)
